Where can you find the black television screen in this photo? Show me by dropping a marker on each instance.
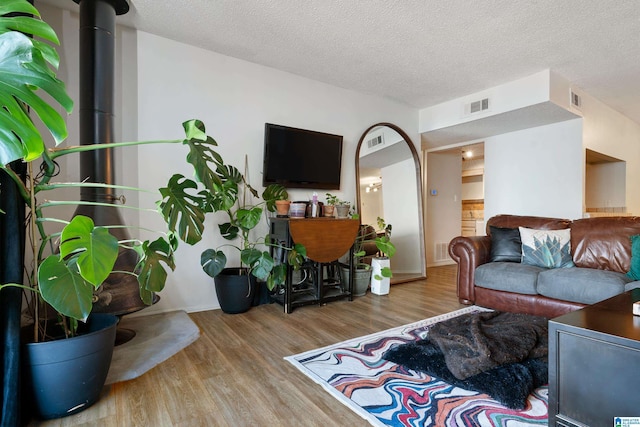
(298, 158)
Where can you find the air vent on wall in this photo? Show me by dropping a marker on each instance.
(576, 100)
(375, 141)
(477, 106)
(441, 252)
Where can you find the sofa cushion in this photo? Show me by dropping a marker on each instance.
(508, 276)
(632, 285)
(506, 245)
(515, 221)
(581, 285)
(546, 248)
(603, 242)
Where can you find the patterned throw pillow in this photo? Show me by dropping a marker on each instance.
(546, 248)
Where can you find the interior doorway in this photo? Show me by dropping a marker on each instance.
(454, 194)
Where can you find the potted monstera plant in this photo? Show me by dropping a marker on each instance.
(68, 266)
(243, 210)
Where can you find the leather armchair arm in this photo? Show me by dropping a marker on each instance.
(469, 253)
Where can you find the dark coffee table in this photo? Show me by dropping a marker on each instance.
(594, 364)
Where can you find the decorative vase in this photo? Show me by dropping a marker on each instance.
(342, 211)
(328, 210)
(66, 376)
(235, 288)
(361, 279)
(379, 286)
(297, 210)
(282, 207)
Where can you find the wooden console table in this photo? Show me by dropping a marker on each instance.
(326, 240)
(594, 354)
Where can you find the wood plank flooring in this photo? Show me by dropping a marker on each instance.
(235, 375)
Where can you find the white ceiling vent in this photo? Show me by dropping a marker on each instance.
(375, 141)
(477, 106)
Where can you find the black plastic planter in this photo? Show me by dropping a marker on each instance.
(235, 288)
(66, 376)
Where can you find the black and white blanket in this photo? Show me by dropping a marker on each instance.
(500, 354)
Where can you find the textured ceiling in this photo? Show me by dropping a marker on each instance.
(419, 52)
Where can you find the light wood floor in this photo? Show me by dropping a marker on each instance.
(235, 375)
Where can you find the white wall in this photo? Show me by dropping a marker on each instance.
(609, 132)
(605, 185)
(400, 209)
(538, 171)
(371, 206)
(472, 188)
(161, 83)
(530, 90)
(235, 98)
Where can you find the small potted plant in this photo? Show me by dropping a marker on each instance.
(330, 205)
(282, 207)
(370, 243)
(341, 207)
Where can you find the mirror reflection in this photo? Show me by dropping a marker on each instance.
(388, 173)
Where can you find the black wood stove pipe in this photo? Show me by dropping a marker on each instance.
(119, 294)
(97, 27)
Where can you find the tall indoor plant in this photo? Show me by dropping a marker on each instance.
(243, 210)
(69, 266)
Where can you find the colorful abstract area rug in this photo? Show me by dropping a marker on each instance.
(386, 394)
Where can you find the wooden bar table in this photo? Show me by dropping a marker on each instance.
(326, 240)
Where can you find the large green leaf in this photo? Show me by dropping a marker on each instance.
(152, 276)
(222, 197)
(23, 70)
(231, 173)
(17, 6)
(228, 231)
(213, 262)
(297, 255)
(277, 277)
(247, 219)
(28, 25)
(260, 263)
(94, 248)
(62, 286)
(202, 154)
(182, 211)
(385, 246)
(272, 193)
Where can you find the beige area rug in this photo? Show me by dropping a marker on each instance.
(158, 337)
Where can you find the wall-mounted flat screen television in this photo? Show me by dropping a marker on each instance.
(298, 158)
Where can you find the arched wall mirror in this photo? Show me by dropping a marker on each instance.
(389, 187)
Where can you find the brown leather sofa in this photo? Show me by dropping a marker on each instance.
(600, 248)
